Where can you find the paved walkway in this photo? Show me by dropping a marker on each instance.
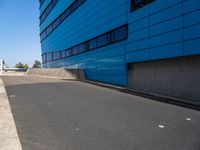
(9, 139)
(59, 115)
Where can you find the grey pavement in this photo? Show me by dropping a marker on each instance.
(9, 139)
(54, 114)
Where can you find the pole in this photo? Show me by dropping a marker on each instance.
(1, 67)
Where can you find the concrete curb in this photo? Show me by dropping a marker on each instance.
(12, 73)
(9, 139)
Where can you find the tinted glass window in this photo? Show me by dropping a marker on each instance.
(49, 56)
(54, 56)
(63, 54)
(43, 58)
(87, 46)
(102, 40)
(111, 37)
(120, 34)
(81, 48)
(67, 53)
(41, 2)
(93, 44)
(71, 52)
(75, 50)
(135, 4)
(58, 55)
(75, 5)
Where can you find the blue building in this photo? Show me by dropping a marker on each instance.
(147, 45)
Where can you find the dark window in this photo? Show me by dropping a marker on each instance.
(67, 54)
(102, 40)
(41, 2)
(54, 55)
(136, 4)
(63, 54)
(120, 34)
(75, 50)
(67, 13)
(44, 58)
(87, 46)
(81, 48)
(93, 44)
(58, 55)
(111, 37)
(75, 6)
(49, 56)
(62, 17)
(71, 52)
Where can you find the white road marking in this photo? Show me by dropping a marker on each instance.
(188, 119)
(77, 129)
(12, 96)
(50, 104)
(161, 126)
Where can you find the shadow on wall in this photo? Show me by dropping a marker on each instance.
(179, 78)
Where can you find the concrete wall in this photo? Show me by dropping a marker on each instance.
(69, 74)
(178, 77)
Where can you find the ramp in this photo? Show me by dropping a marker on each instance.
(60, 73)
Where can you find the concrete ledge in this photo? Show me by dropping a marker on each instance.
(59, 73)
(12, 73)
(9, 139)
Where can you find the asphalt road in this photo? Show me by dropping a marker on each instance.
(60, 115)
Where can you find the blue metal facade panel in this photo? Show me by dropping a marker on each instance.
(44, 6)
(159, 30)
(84, 24)
(58, 9)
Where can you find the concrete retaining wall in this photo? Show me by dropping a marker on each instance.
(12, 73)
(70, 74)
(179, 78)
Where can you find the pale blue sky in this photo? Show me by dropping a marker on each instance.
(19, 31)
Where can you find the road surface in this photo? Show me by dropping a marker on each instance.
(61, 115)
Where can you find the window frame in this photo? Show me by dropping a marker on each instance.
(135, 6)
(85, 46)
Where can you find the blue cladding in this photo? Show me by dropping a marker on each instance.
(192, 32)
(166, 14)
(60, 7)
(190, 6)
(167, 51)
(192, 47)
(166, 38)
(138, 56)
(162, 29)
(172, 25)
(192, 18)
(44, 6)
